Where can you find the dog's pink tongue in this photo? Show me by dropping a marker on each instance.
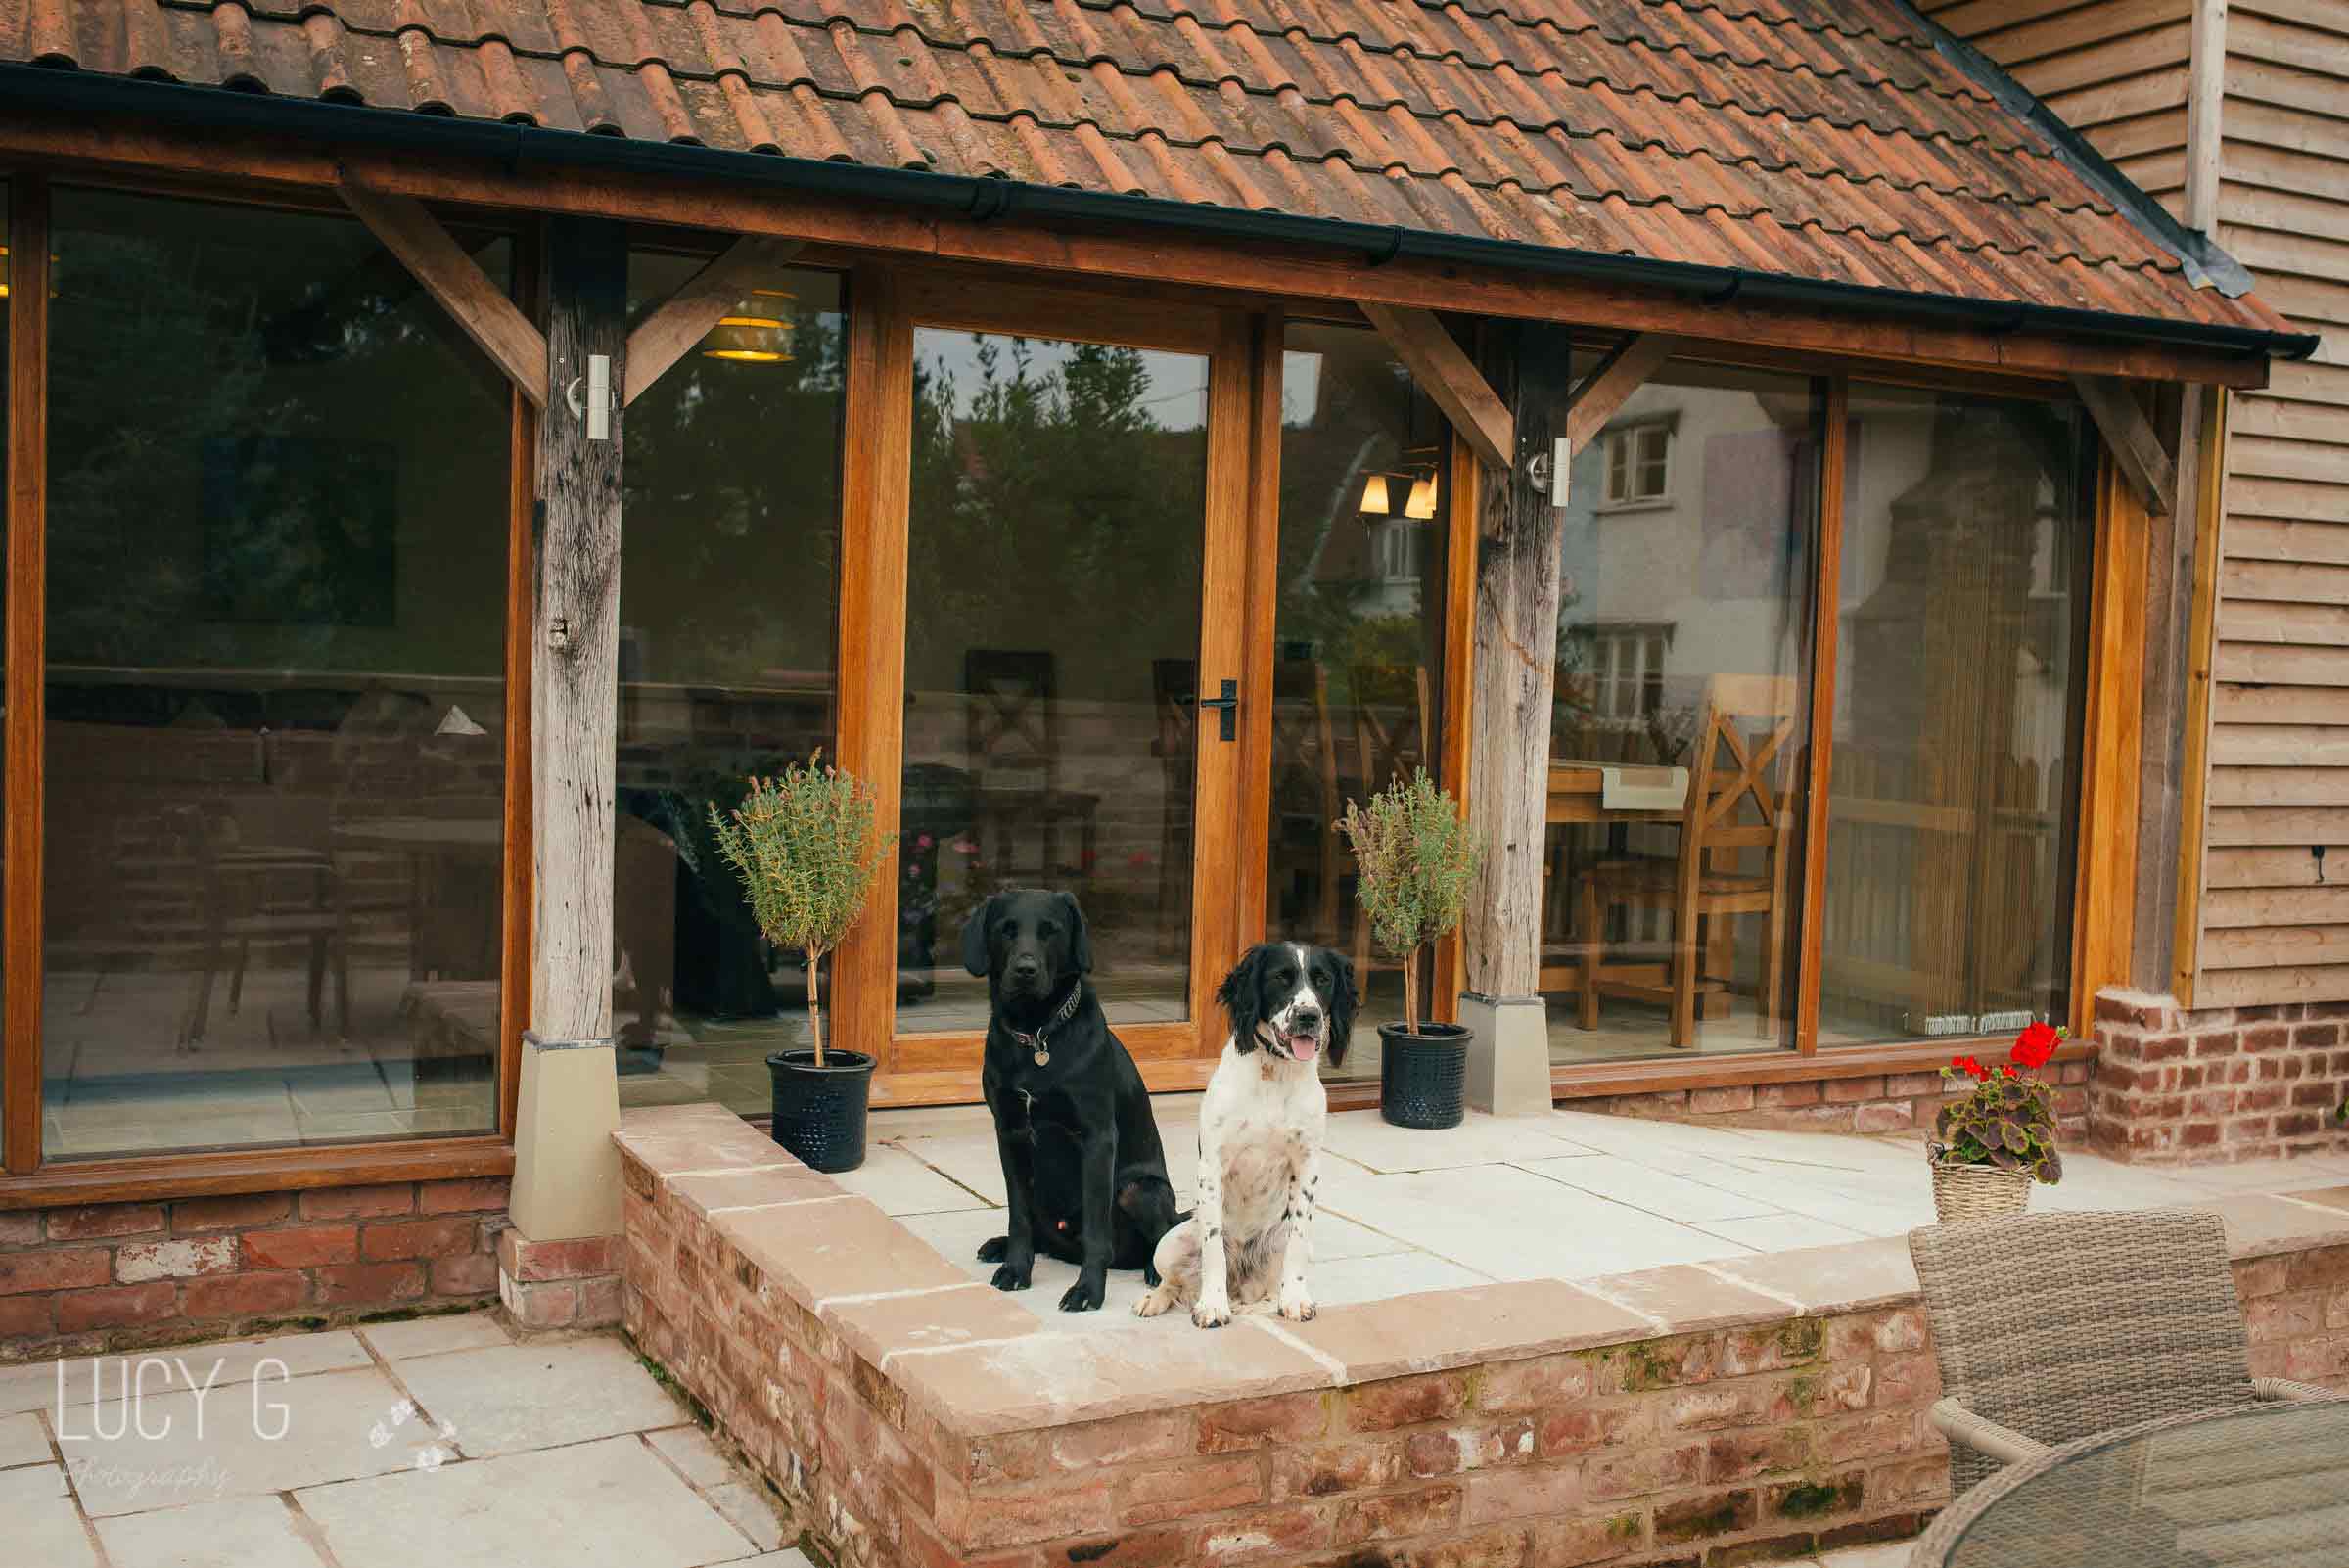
(1304, 1047)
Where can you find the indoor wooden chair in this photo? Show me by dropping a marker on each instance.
(1304, 778)
(1174, 701)
(1012, 738)
(1746, 725)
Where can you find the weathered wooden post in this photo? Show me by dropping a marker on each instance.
(555, 1265)
(1531, 367)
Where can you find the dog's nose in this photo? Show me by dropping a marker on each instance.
(1025, 968)
(1307, 1017)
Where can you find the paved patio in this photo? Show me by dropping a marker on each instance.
(435, 1443)
(542, 1455)
(1570, 1195)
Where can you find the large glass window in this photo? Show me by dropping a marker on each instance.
(1677, 743)
(728, 594)
(277, 546)
(1357, 636)
(1957, 715)
(1054, 557)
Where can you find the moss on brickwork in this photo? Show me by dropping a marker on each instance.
(1808, 1499)
(1626, 1527)
(1800, 1339)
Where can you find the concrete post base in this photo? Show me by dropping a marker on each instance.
(565, 1169)
(1508, 1053)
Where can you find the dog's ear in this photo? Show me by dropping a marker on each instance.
(1343, 1000)
(1081, 940)
(978, 955)
(1241, 997)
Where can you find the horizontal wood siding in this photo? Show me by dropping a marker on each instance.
(2276, 909)
(2272, 924)
(2115, 70)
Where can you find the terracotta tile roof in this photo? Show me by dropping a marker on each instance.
(1820, 139)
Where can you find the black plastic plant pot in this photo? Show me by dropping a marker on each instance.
(1422, 1074)
(819, 1111)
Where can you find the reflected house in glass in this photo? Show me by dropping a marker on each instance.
(420, 517)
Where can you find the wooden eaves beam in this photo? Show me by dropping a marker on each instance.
(1623, 372)
(453, 278)
(2148, 469)
(670, 333)
(1449, 375)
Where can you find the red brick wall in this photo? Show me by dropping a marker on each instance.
(110, 1275)
(2174, 1086)
(1880, 1102)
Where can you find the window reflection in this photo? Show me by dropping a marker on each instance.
(278, 516)
(1959, 707)
(1677, 739)
(1359, 634)
(1055, 553)
(729, 592)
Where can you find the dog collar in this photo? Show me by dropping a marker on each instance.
(1036, 1041)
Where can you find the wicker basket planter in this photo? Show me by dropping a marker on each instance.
(1978, 1191)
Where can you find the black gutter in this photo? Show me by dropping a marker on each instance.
(520, 147)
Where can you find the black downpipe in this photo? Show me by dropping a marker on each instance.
(519, 148)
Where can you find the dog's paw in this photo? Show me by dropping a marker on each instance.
(994, 1250)
(1215, 1314)
(1297, 1307)
(1151, 1303)
(1011, 1278)
(1085, 1296)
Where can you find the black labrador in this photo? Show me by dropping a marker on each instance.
(1084, 1173)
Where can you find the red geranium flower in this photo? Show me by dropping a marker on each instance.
(2035, 1044)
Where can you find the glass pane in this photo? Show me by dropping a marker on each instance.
(1051, 648)
(5, 293)
(278, 513)
(1676, 798)
(1359, 650)
(729, 592)
(1957, 715)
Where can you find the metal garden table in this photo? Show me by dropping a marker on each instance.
(2265, 1485)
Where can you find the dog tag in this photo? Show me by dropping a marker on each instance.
(1043, 1058)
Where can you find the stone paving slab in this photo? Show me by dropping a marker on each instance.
(259, 1532)
(514, 1398)
(609, 1503)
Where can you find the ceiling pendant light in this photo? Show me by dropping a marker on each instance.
(1374, 496)
(1421, 504)
(757, 332)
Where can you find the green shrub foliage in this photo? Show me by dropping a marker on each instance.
(805, 848)
(2008, 1120)
(1416, 860)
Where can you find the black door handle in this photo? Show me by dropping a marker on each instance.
(1227, 719)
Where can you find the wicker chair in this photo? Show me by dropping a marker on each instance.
(2055, 1327)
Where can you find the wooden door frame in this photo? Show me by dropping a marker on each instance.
(885, 306)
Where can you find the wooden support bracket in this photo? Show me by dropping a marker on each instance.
(453, 278)
(1623, 372)
(670, 333)
(1447, 374)
(2148, 469)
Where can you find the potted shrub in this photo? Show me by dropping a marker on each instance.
(1414, 860)
(805, 848)
(1990, 1146)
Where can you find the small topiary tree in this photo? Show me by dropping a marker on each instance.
(1416, 861)
(805, 848)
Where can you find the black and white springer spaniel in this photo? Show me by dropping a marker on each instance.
(1249, 1240)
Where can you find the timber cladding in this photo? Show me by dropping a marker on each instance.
(2230, 117)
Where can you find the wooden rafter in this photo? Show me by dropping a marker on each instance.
(2138, 450)
(453, 278)
(1623, 372)
(1449, 375)
(670, 333)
